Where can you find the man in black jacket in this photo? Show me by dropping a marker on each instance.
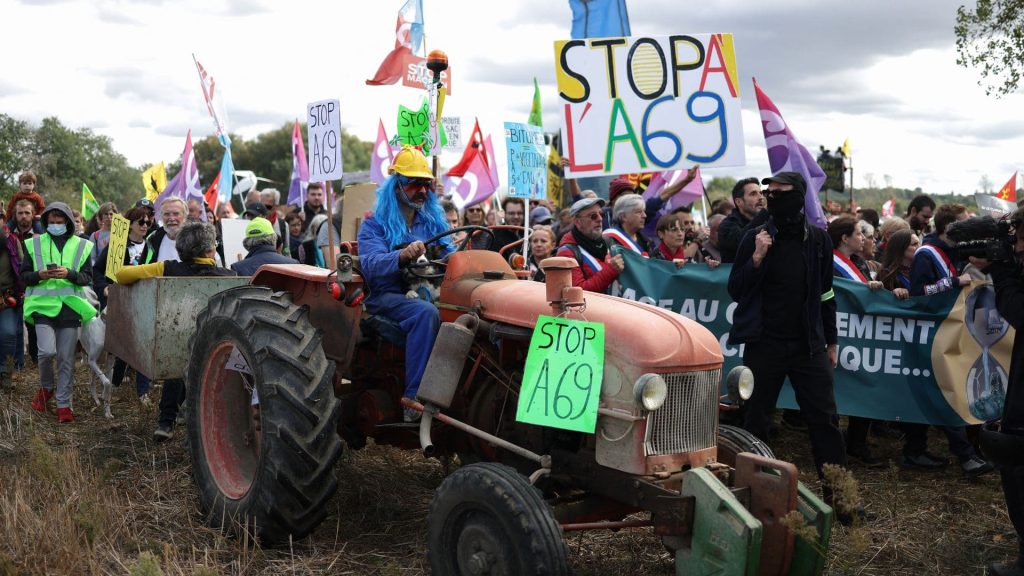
(749, 202)
(1009, 285)
(786, 317)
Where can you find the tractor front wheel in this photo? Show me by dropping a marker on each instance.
(488, 519)
(262, 415)
(733, 440)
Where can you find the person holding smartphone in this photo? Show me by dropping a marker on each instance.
(55, 272)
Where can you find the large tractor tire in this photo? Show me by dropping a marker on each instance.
(733, 440)
(488, 519)
(266, 467)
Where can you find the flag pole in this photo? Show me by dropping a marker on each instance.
(437, 62)
(331, 265)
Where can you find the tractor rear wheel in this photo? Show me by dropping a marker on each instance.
(488, 519)
(732, 440)
(263, 415)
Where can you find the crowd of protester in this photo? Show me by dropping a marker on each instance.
(908, 256)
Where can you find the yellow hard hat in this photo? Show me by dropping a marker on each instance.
(411, 163)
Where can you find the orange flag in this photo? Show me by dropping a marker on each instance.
(1009, 190)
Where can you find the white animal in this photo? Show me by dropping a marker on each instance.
(91, 336)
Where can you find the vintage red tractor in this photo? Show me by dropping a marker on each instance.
(286, 370)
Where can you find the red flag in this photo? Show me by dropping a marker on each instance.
(408, 39)
(212, 195)
(1009, 190)
(473, 147)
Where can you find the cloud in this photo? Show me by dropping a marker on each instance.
(8, 88)
(142, 85)
(245, 8)
(174, 129)
(116, 15)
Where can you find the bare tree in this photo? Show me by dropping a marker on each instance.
(985, 184)
(888, 180)
(869, 179)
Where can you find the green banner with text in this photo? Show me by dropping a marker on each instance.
(939, 359)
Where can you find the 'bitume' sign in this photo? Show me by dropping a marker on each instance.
(649, 104)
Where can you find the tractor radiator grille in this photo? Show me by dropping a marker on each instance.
(686, 422)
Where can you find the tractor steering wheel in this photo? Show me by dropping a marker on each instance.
(415, 268)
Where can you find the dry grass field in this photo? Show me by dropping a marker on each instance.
(99, 497)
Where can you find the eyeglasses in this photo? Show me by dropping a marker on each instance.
(474, 209)
(144, 222)
(413, 184)
(593, 216)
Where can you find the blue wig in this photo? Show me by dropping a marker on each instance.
(389, 213)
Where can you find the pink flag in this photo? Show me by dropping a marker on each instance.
(185, 184)
(689, 194)
(383, 156)
(300, 170)
(787, 154)
(473, 187)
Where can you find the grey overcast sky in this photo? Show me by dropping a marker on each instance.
(881, 73)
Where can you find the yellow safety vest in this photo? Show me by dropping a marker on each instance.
(47, 297)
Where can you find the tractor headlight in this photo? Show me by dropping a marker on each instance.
(650, 391)
(740, 384)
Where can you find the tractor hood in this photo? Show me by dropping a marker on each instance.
(648, 337)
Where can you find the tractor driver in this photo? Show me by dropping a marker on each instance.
(407, 213)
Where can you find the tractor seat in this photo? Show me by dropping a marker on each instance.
(384, 327)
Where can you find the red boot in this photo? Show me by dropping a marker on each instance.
(65, 415)
(42, 397)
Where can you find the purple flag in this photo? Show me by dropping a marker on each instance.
(786, 154)
(185, 184)
(300, 170)
(689, 194)
(383, 155)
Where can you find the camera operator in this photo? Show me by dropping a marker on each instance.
(1004, 443)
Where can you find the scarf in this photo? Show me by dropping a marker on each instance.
(596, 248)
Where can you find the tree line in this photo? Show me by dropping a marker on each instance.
(63, 158)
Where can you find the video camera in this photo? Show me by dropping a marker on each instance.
(984, 237)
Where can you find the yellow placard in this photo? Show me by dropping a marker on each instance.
(118, 244)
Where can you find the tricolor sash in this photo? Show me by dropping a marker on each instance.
(624, 239)
(939, 259)
(846, 268)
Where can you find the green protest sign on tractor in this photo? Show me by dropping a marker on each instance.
(563, 373)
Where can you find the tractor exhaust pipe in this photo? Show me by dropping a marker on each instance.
(443, 371)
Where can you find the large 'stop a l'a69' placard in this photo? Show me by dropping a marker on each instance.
(649, 104)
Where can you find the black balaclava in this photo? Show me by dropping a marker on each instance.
(786, 209)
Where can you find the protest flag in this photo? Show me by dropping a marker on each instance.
(226, 177)
(846, 148)
(408, 40)
(535, 112)
(687, 195)
(212, 195)
(382, 157)
(476, 184)
(1009, 190)
(889, 208)
(556, 173)
(787, 154)
(89, 204)
(474, 147)
(185, 184)
(300, 170)
(154, 180)
(599, 18)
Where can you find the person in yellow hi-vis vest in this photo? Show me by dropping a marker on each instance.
(54, 271)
